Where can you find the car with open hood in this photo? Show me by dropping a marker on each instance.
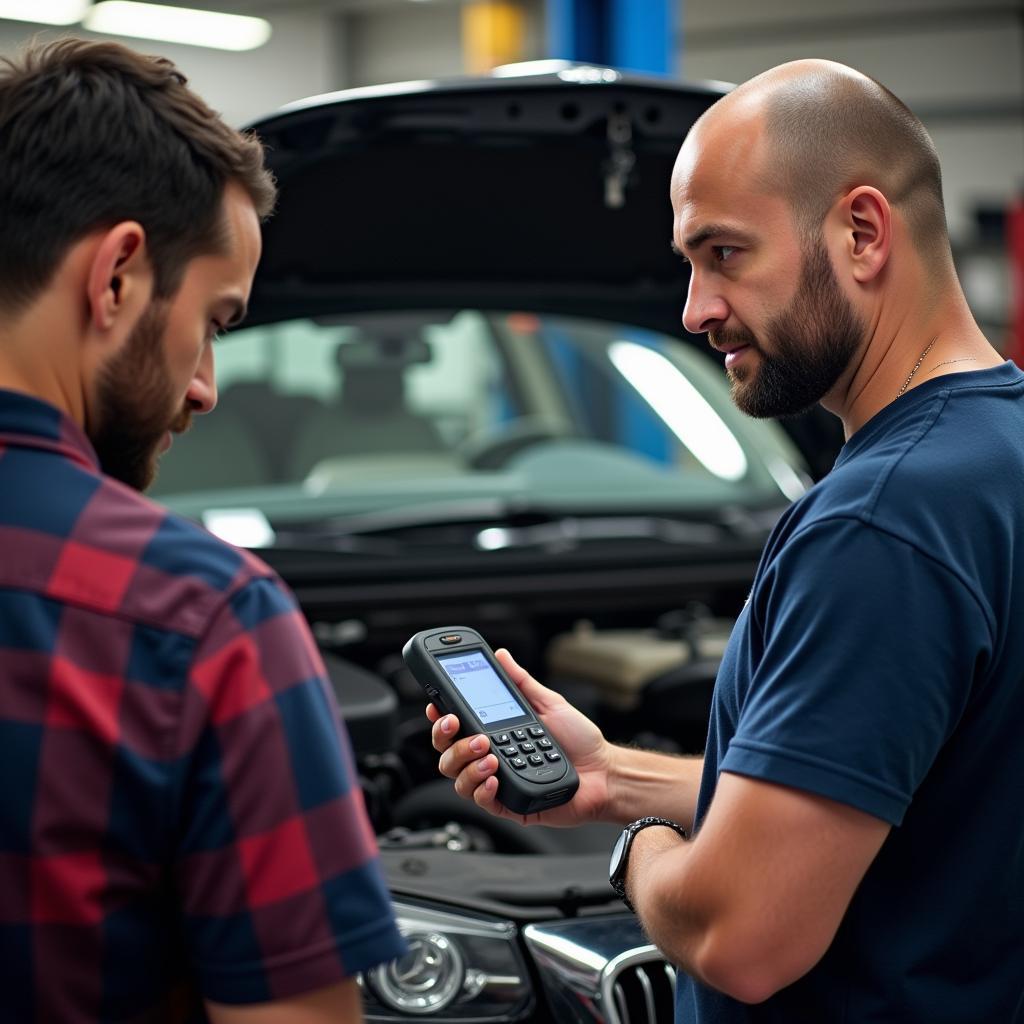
(463, 395)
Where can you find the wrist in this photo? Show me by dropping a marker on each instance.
(620, 800)
(648, 845)
(632, 853)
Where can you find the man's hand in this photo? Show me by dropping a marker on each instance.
(467, 760)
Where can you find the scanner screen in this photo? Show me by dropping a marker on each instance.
(481, 687)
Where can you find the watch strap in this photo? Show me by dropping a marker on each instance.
(617, 878)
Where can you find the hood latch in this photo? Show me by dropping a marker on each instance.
(621, 158)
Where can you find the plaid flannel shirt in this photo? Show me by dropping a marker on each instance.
(179, 815)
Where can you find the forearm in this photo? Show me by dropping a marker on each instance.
(680, 917)
(688, 913)
(642, 782)
(751, 903)
(698, 910)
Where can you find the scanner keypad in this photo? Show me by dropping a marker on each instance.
(531, 753)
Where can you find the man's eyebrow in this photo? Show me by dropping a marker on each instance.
(698, 238)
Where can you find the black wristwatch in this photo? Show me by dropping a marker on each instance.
(620, 851)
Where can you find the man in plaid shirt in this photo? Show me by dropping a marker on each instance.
(181, 832)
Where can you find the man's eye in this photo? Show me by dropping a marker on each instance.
(723, 252)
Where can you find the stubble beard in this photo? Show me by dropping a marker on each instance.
(806, 349)
(136, 404)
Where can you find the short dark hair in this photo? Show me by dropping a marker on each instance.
(92, 134)
(829, 131)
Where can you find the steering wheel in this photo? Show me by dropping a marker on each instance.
(495, 450)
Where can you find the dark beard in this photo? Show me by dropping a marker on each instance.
(812, 344)
(136, 404)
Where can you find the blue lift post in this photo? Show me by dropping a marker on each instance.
(638, 35)
(633, 35)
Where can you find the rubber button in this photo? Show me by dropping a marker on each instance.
(518, 762)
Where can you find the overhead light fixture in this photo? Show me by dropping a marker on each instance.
(177, 25)
(54, 12)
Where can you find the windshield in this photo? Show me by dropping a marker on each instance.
(366, 413)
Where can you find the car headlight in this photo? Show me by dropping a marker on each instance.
(459, 967)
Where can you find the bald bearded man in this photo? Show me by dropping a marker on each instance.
(854, 843)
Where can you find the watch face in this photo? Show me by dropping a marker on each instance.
(617, 851)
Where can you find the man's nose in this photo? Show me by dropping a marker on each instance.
(705, 309)
(201, 396)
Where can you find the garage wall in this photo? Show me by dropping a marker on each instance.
(958, 64)
(388, 45)
(395, 43)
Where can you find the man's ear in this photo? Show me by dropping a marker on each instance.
(120, 277)
(866, 222)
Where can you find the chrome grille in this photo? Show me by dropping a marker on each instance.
(602, 970)
(642, 988)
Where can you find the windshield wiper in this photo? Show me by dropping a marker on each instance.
(571, 531)
(405, 517)
(367, 532)
(494, 524)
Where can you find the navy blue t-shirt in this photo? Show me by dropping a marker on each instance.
(879, 662)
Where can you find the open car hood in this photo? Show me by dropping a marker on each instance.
(547, 191)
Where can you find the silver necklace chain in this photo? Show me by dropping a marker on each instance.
(966, 359)
(917, 366)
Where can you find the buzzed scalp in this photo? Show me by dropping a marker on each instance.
(829, 129)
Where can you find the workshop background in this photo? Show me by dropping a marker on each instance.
(959, 64)
(463, 395)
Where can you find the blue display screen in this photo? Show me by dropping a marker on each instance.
(482, 687)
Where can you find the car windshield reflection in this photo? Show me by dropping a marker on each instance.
(366, 413)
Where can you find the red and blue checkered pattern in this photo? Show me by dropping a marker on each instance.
(179, 816)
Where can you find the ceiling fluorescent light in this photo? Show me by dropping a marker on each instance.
(177, 25)
(53, 12)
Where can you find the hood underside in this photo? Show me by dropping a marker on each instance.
(548, 192)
